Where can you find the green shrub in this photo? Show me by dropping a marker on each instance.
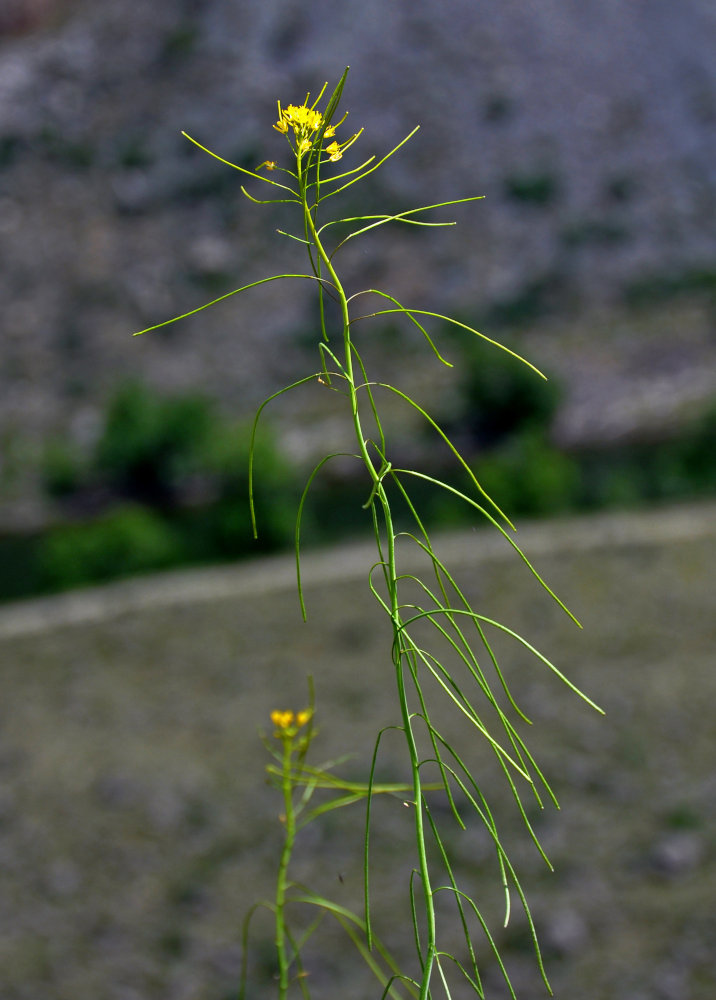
(186, 475)
(276, 489)
(503, 397)
(669, 285)
(61, 470)
(529, 476)
(539, 187)
(697, 452)
(608, 480)
(185, 472)
(638, 473)
(151, 445)
(128, 540)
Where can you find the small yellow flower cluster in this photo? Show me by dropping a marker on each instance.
(288, 723)
(303, 120)
(305, 123)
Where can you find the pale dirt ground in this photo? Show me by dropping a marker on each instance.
(136, 826)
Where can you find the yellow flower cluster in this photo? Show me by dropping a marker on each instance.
(303, 120)
(288, 723)
(305, 123)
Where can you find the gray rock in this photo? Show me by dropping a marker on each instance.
(678, 853)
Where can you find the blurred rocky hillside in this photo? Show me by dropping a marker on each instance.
(589, 128)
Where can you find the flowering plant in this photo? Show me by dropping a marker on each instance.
(442, 647)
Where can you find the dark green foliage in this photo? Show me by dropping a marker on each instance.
(683, 817)
(180, 475)
(151, 446)
(133, 153)
(665, 287)
(540, 187)
(697, 452)
(179, 43)
(76, 153)
(10, 146)
(19, 566)
(61, 470)
(530, 476)
(225, 524)
(502, 397)
(127, 540)
(526, 474)
(507, 413)
(682, 467)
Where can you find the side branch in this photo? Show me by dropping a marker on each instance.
(253, 284)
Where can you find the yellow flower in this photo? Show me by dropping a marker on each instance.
(303, 121)
(330, 132)
(288, 723)
(334, 151)
(269, 164)
(282, 720)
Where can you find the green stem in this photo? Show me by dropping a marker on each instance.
(289, 820)
(392, 584)
(345, 319)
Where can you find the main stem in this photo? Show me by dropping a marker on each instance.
(289, 821)
(392, 581)
(392, 584)
(345, 320)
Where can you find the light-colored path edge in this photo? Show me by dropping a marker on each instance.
(346, 562)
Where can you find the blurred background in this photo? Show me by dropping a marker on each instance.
(590, 128)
